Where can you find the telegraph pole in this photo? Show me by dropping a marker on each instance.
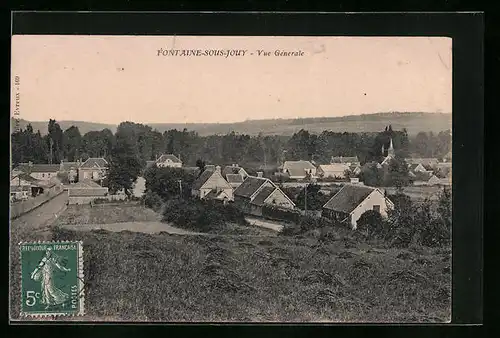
(305, 201)
(180, 187)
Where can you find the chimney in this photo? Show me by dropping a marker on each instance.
(260, 174)
(217, 168)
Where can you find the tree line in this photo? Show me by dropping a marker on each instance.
(146, 144)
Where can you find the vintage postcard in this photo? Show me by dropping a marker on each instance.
(231, 179)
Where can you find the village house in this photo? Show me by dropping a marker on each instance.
(94, 168)
(168, 160)
(335, 170)
(352, 200)
(39, 171)
(234, 169)
(70, 168)
(429, 179)
(256, 192)
(347, 160)
(86, 192)
(299, 169)
(425, 162)
(234, 180)
(211, 185)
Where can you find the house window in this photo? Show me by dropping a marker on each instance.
(376, 208)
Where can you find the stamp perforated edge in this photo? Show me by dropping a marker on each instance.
(80, 276)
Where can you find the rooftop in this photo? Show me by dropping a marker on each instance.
(348, 198)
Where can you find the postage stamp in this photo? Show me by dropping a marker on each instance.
(52, 278)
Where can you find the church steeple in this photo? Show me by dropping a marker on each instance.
(390, 151)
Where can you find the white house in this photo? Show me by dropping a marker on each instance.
(94, 168)
(168, 160)
(39, 171)
(210, 184)
(352, 200)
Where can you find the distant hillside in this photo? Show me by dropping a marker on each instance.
(413, 122)
(83, 126)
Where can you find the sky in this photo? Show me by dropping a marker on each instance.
(110, 79)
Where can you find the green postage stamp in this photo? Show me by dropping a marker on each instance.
(52, 279)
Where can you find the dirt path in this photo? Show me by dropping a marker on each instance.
(145, 227)
(40, 218)
(264, 224)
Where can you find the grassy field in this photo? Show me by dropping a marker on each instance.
(106, 214)
(133, 276)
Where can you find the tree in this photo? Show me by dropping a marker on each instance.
(72, 144)
(124, 167)
(371, 175)
(315, 198)
(55, 142)
(201, 165)
(371, 223)
(167, 182)
(444, 207)
(397, 174)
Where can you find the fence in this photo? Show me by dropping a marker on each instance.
(280, 214)
(20, 208)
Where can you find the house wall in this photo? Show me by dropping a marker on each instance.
(18, 209)
(43, 176)
(279, 199)
(91, 174)
(255, 210)
(17, 181)
(375, 198)
(216, 182)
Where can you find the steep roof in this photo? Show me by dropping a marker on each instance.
(66, 166)
(335, 167)
(249, 186)
(26, 177)
(234, 178)
(170, 157)
(38, 168)
(302, 165)
(94, 162)
(202, 179)
(263, 194)
(231, 170)
(348, 198)
(423, 161)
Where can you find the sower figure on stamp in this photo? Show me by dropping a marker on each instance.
(44, 273)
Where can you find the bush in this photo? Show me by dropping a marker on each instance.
(200, 215)
(152, 200)
(371, 223)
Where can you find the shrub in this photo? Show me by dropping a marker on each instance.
(200, 215)
(371, 223)
(152, 200)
